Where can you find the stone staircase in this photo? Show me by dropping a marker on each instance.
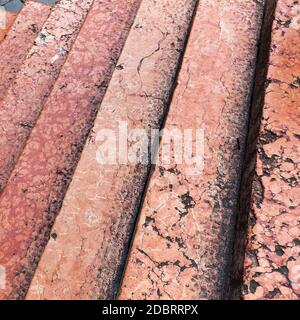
(75, 73)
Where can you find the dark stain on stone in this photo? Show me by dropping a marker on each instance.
(253, 286)
(297, 136)
(119, 67)
(279, 251)
(187, 201)
(269, 137)
(296, 242)
(148, 220)
(54, 235)
(284, 270)
(34, 28)
(273, 294)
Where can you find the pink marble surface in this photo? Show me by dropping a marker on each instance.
(272, 265)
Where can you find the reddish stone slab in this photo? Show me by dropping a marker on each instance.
(19, 41)
(84, 258)
(272, 265)
(24, 100)
(9, 20)
(182, 247)
(34, 192)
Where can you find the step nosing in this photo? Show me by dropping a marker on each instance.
(272, 263)
(182, 248)
(41, 175)
(138, 91)
(6, 24)
(20, 108)
(19, 40)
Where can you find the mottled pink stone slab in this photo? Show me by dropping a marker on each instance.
(19, 41)
(35, 190)
(183, 242)
(272, 265)
(24, 100)
(85, 256)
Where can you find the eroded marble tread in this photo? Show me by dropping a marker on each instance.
(19, 41)
(182, 247)
(272, 264)
(35, 190)
(85, 256)
(24, 101)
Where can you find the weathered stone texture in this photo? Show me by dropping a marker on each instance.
(24, 101)
(272, 265)
(183, 242)
(86, 257)
(19, 41)
(35, 190)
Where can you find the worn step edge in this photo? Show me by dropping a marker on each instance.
(19, 41)
(257, 103)
(86, 254)
(182, 248)
(37, 185)
(9, 21)
(24, 100)
(272, 264)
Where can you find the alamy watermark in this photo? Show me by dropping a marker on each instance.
(161, 147)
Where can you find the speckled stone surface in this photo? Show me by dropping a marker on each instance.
(35, 190)
(84, 258)
(19, 41)
(9, 20)
(183, 241)
(24, 100)
(272, 265)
